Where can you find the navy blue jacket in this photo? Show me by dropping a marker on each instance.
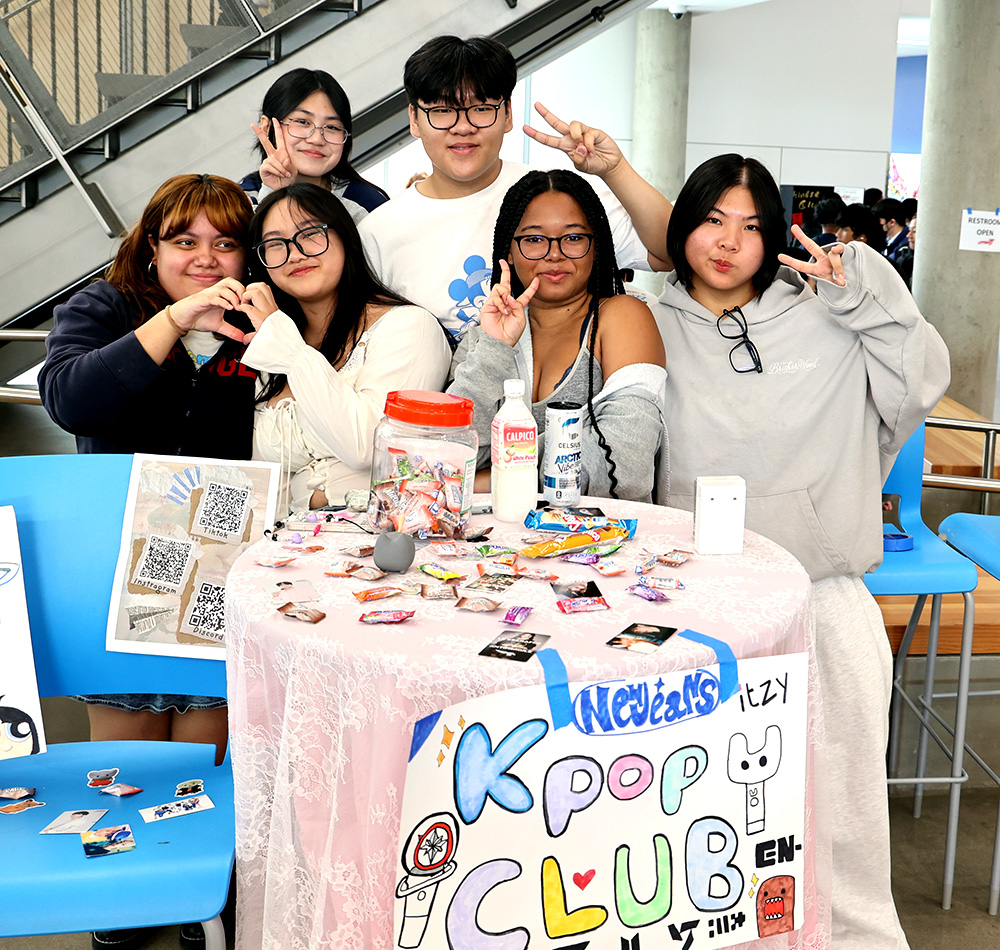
(100, 384)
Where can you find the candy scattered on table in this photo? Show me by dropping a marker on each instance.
(386, 616)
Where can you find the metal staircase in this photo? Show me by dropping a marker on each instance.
(101, 100)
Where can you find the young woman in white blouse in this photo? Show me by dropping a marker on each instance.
(331, 341)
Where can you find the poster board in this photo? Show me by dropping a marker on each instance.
(21, 731)
(658, 813)
(186, 521)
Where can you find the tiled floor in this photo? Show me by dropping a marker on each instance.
(917, 850)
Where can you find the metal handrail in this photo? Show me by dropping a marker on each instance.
(31, 335)
(28, 397)
(986, 483)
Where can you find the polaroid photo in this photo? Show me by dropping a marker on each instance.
(642, 637)
(492, 583)
(571, 590)
(74, 822)
(298, 592)
(107, 841)
(298, 612)
(517, 645)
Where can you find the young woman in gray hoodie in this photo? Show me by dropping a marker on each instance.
(809, 396)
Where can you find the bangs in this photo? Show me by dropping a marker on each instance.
(227, 210)
(467, 88)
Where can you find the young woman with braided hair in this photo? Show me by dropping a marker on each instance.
(582, 339)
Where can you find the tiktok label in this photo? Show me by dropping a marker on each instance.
(665, 813)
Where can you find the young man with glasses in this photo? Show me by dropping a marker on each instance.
(432, 244)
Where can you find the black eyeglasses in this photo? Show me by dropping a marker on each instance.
(535, 247)
(481, 115)
(311, 242)
(754, 366)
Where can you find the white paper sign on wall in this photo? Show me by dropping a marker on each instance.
(980, 230)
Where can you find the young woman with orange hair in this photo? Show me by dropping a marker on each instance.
(148, 360)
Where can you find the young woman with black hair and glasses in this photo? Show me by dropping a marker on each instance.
(808, 396)
(304, 135)
(332, 343)
(558, 318)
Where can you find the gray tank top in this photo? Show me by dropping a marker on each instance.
(573, 386)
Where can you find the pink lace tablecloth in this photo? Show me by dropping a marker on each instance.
(321, 716)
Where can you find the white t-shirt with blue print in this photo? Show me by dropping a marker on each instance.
(436, 252)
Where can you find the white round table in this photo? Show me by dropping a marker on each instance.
(322, 715)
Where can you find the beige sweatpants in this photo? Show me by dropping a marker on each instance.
(855, 674)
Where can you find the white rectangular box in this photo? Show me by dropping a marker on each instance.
(720, 509)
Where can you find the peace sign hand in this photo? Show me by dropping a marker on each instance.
(592, 151)
(276, 170)
(257, 302)
(827, 264)
(503, 316)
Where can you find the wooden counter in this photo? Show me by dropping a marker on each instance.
(951, 451)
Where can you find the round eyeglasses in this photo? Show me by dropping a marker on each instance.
(481, 115)
(311, 242)
(534, 247)
(303, 129)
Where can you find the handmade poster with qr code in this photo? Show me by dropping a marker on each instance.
(186, 521)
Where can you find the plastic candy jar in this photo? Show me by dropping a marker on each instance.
(424, 464)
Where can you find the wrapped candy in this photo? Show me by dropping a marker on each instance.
(386, 616)
(582, 605)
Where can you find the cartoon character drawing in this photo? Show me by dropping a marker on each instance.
(18, 735)
(776, 906)
(101, 777)
(753, 769)
(470, 292)
(427, 860)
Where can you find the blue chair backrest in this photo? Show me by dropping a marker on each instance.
(906, 479)
(69, 511)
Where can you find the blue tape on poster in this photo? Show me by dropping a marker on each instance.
(729, 681)
(557, 686)
(421, 731)
(897, 542)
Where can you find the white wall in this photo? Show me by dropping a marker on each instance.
(806, 87)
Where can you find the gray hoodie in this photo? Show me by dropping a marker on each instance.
(848, 376)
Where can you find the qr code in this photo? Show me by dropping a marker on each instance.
(208, 617)
(222, 509)
(164, 562)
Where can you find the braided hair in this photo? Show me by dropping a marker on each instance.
(604, 280)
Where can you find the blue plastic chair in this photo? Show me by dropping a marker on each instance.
(932, 569)
(69, 513)
(978, 538)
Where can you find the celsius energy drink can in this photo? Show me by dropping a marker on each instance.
(561, 465)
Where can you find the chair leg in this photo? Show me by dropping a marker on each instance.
(215, 934)
(995, 873)
(896, 704)
(927, 700)
(958, 749)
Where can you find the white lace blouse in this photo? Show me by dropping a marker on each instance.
(322, 435)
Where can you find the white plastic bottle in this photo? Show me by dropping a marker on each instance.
(514, 456)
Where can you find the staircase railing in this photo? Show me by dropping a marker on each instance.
(73, 71)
